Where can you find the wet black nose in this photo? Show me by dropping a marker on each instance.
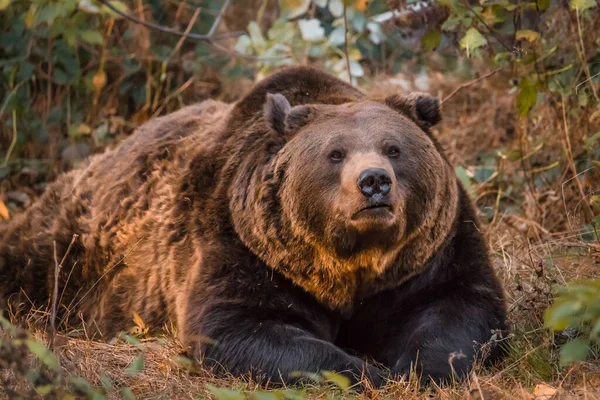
(374, 181)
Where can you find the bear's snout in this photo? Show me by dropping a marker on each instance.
(374, 183)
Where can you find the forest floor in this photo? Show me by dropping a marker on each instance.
(534, 233)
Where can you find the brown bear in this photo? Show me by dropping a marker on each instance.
(303, 228)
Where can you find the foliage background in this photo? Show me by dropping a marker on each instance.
(519, 82)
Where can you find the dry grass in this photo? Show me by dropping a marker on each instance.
(533, 233)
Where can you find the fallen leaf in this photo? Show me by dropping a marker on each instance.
(544, 392)
(3, 211)
(138, 320)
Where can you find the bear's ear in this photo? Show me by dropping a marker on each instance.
(420, 107)
(282, 117)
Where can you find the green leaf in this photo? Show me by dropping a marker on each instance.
(576, 350)
(339, 380)
(60, 76)
(581, 5)
(527, 97)
(336, 8)
(25, 71)
(527, 34)
(336, 37)
(95, 395)
(49, 13)
(128, 394)
(224, 394)
(543, 5)
(375, 32)
(81, 384)
(293, 8)
(356, 70)
(559, 315)
(183, 361)
(244, 45)
(282, 31)
(431, 39)
(256, 36)
(106, 382)
(472, 40)
(43, 354)
(43, 390)
(130, 339)
(119, 5)
(592, 140)
(595, 333)
(136, 366)
(264, 395)
(311, 30)
(92, 37)
(88, 7)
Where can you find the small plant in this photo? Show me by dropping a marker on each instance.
(576, 312)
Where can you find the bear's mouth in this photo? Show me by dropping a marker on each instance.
(374, 210)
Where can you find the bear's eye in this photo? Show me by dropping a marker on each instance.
(336, 156)
(393, 151)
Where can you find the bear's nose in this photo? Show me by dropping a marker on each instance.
(374, 181)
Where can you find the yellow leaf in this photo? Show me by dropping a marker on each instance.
(361, 5)
(99, 80)
(527, 34)
(354, 54)
(30, 17)
(84, 129)
(4, 4)
(3, 211)
(138, 320)
(544, 392)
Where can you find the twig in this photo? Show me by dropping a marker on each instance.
(467, 84)
(100, 279)
(584, 82)
(177, 92)
(571, 162)
(583, 56)
(346, 44)
(13, 142)
(224, 49)
(54, 298)
(489, 28)
(57, 268)
(218, 18)
(210, 36)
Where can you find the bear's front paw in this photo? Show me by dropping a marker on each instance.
(367, 376)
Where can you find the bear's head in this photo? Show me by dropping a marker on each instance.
(353, 197)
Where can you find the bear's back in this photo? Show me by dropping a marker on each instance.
(110, 202)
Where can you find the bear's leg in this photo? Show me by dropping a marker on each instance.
(240, 315)
(273, 349)
(442, 338)
(435, 330)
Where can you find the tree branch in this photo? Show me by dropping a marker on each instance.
(346, 45)
(467, 84)
(210, 36)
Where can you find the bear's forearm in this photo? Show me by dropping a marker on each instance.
(276, 351)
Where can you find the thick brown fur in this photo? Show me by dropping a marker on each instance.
(224, 220)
